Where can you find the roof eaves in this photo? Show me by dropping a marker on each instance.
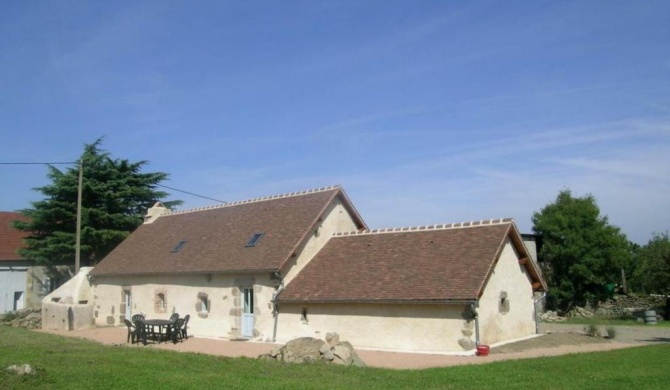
(494, 261)
(463, 301)
(531, 265)
(199, 272)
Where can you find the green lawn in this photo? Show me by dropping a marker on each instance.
(68, 363)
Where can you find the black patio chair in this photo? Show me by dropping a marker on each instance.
(183, 328)
(138, 321)
(133, 333)
(172, 330)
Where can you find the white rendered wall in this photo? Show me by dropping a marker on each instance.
(336, 220)
(511, 278)
(182, 294)
(408, 327)
(12, 281)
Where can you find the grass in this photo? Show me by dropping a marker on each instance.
(69, 363)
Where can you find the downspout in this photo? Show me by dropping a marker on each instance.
(474, 312)
(537, 318)
(275, 306)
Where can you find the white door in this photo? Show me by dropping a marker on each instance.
(129, 302)
(248, 313)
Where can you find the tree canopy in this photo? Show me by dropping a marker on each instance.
(115, 197)
(652, 262)
(583, 251)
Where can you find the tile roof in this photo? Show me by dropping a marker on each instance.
(216, 237)
(10, 239)
(430, 264)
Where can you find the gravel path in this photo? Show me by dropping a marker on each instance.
(556, 339)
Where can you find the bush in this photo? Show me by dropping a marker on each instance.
(611, 332)
(592, 330)
(9, 316)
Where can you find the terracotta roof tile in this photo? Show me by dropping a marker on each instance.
(10, 239)
(216, 237)
(433, 263)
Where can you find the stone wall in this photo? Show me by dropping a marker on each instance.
(632, 306)
(30, 318)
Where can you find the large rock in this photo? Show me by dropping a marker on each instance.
(302, 350)
(311, 350)
(23, 369)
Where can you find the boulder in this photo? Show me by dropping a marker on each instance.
(311, 350)
(23, 369)
(302, 350)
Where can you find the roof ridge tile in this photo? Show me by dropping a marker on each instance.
(446, 226)
(253, 200)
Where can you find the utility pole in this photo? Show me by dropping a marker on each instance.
(77, 255)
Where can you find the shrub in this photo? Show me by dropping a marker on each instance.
(592, 330)
(611, 332)
(9, 316)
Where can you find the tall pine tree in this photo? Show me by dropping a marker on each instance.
(115, 197)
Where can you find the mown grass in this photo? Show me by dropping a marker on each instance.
(68, 363)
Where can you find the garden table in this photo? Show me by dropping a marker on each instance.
(165, 330)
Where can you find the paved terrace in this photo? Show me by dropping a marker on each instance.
(562, 342)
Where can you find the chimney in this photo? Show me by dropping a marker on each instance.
(154, 212)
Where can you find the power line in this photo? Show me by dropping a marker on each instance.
(190, 193)
(38, 163)
(70, 163)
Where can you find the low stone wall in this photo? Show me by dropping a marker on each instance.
(29, 318)
(632, 306)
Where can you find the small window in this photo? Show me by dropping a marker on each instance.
(161, 303)
(254, 239)
(503, 306)
(46, 286)
(203, 305)
(179, 246)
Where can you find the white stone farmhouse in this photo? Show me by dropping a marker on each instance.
(304, 264)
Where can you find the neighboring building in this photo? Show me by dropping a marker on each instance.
(22, 284)
(304, 264)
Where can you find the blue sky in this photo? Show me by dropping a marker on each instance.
(425, 112)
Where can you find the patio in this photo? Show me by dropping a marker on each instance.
(373, 358)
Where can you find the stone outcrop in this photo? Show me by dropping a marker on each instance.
(29, 318)
(311, 350)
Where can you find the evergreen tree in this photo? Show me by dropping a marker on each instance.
(584, 252)
(115, 197)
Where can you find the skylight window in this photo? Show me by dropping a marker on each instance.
(254, 239)
(179, 246)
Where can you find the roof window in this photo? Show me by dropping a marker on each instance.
(179, 246)
(254, 239)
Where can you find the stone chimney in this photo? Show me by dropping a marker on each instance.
(155, 212)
